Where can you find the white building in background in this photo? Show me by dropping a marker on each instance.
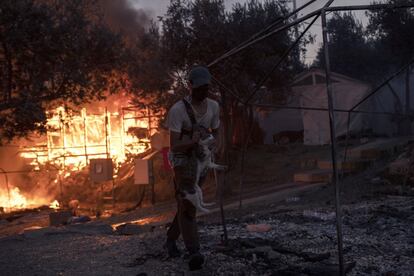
(309, 90)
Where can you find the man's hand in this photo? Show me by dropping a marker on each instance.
(196, 137)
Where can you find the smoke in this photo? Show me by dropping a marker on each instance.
(123, 17)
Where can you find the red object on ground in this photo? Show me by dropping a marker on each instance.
(259, 228)
(166, 164)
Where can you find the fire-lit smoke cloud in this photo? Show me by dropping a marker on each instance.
(124, 17)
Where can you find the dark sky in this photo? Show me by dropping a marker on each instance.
(158, 8)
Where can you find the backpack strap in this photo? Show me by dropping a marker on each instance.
(190, 112)
(194, 125)
(191, 115)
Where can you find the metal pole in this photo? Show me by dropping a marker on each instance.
(121, 130)
(63, 133)
(149, 122)
(268, 28)
(335, 176)
(401, 5)
(85, 137)
(269, 34)
(220, 194)
(295, 17)
(243, 159)
(106, 132)
(60, 185)
(7, 184)
(407, 102)
(108, 155)
(390, 78)
(398, 107)
(275, 106)
(281, 59)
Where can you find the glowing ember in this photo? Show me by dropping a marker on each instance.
(54, 205)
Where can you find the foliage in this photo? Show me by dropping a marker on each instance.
(393, 29)
(370, 53)
(199, 31)
(50, 53)
(344, 31)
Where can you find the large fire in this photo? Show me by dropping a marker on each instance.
(73, 139)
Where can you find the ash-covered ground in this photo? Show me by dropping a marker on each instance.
(299, 238)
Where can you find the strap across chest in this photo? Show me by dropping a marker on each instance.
(194, 125)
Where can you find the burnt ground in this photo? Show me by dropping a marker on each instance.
(378, 230)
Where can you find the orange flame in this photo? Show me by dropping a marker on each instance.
(54, 205)
(14, 200)
(74, 139)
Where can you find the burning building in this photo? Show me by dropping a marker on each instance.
(57, 162)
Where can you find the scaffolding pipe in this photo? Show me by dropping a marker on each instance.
(63, 133)
(395, 74)
(281, 59)
(370, 7)
(256, 39)
(7, 184)
(106, 132)
(22, 172)
(268, 28)
(335, 176)
(250, 97)
(280, 29)
(310, 108)
(85, 137)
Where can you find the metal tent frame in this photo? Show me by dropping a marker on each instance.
(275, 28)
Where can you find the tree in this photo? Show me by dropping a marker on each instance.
(370, 53)
(51, 53)
(392, 29)
(350, 51)
(197, 32)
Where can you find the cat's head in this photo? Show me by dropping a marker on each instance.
(206, 140)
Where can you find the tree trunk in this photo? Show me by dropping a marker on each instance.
(9, 69)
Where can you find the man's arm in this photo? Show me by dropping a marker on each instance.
(178, 145)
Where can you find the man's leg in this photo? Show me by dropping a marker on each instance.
(173, 232)
(187, 214)
(172, 235)
(188, 225)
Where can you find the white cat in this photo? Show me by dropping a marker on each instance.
(203, 164)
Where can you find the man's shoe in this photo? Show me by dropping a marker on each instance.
(172, 249)
(196, 261)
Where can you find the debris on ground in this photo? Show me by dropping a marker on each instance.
(132, 229)
(378, 239)
(259, 228)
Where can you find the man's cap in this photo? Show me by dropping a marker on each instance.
(199, 76)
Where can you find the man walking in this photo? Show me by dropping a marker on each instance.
(186, 120)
